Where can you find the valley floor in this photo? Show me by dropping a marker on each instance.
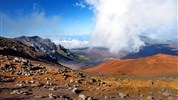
(33, 80)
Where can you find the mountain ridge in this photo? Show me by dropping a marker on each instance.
(47, 46)
(10, 46)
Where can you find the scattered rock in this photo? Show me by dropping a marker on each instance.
(14, 92)
(150, 98)
(105, 97)
(89, 98)
(122, 95)
(74, 90)
(67, 85)
(71, 81)
(64, 77)
(141, 95)
(91, 81)
(53, 88)
(52, 96)
(20, 85)
(39, 96)
(77, 81)
(16, 59)
(7, 79)
(47, 78)
(82, 96)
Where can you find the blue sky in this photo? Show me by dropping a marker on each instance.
(78, 23)
(46, 18)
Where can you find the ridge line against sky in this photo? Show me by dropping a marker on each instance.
(78, 23)
(62, 21)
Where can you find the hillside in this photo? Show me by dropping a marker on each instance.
(47, 46)
(12, 47)
(157, 64)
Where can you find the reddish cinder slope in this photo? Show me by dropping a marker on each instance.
(157, 64)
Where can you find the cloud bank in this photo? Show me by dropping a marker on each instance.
(72, 43)
(120, 23)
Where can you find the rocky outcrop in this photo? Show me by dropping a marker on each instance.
(48, 47)
(16, 48)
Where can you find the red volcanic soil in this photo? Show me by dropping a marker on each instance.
(157, 64)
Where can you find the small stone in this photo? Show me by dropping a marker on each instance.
(44, 86)
(64, 77)
(141, 95)
(20, 85)
(75, 85)
(70, 88)
(74, 90)
(89, 98)
(105, 97)
(150, 98)
(32, 81)
(48, 83)
(67, 85)
(77, 81)
(53, 88)
(16, 59)
(24, 93)
(20, 92)
(122, 95)
(71, 81)
(39, 96)
(63, 97)
(82, 96)
(14, 92)
(47, 78)
(52, 96)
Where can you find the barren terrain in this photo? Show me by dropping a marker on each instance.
(153, 65)
(26, 79)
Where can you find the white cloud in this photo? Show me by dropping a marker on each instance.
(72, 43)
(119, 23)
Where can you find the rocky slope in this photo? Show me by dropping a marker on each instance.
(157, 64)
(12, 47)
(48, 47)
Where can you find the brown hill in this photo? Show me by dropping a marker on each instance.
(157, 64)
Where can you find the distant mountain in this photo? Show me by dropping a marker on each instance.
(48, 47)
(96, 54)
(13, 47)
(157, 64)
(40, 44)
(152, 49)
